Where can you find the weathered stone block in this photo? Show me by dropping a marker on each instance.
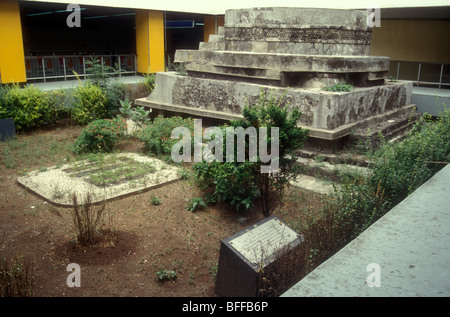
(320, 109)
(245, 255)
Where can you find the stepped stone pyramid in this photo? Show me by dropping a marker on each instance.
(294, 52)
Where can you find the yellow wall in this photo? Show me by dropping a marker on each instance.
(150, 41)
(210, 25)
(412, 40)
(12, 59)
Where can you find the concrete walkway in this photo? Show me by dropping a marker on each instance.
(54, 85)
(430, 100)
(406, 253)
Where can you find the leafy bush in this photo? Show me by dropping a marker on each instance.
(241, 183)
(233, 183)
(401, 168)
(60, 102)
(100, 136)
(90, 103)
(157, 135)
(270, 113)
(30, 106)
(397, 170)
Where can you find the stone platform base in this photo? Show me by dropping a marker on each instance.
(331, 117)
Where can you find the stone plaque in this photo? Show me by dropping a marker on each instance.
(261, 243)
(243, 255)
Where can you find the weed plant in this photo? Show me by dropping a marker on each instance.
(340, 87)
(16, 277)
(195, 204)
(87, 219)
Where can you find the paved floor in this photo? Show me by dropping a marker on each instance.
(404, 254)
(430, 100)
(53, 85)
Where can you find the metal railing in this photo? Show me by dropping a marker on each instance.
(415, 73)
(72, 66)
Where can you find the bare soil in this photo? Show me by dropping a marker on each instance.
(147, 239)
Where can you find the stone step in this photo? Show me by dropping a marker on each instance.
(221, 30)
(319, 168)
(216, 38)
(391, 128)
(211, 46)
(313, 184)
(341, 158)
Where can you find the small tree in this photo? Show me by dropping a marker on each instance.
(269, 112)
(240, 183)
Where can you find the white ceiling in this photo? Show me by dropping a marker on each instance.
(396, 7)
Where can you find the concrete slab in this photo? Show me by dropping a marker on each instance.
(117, 175)
(430, 100)
(409, 248)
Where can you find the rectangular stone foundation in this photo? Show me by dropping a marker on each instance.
(328, 115)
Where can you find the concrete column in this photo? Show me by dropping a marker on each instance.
(212, 23)
(12, 57)
(150, 41)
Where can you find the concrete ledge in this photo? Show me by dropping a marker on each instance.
(188, 110)
(410, 244)
(283, 62)
(323, 134)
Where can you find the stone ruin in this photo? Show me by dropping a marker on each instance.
(296, 52)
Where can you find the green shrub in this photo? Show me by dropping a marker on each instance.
(100, 136)
(157, 135)
(241, 183)
(30, 107)
(61, 101)
(397, 170)
(401, 168)
(233, 183)
(90, 103)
